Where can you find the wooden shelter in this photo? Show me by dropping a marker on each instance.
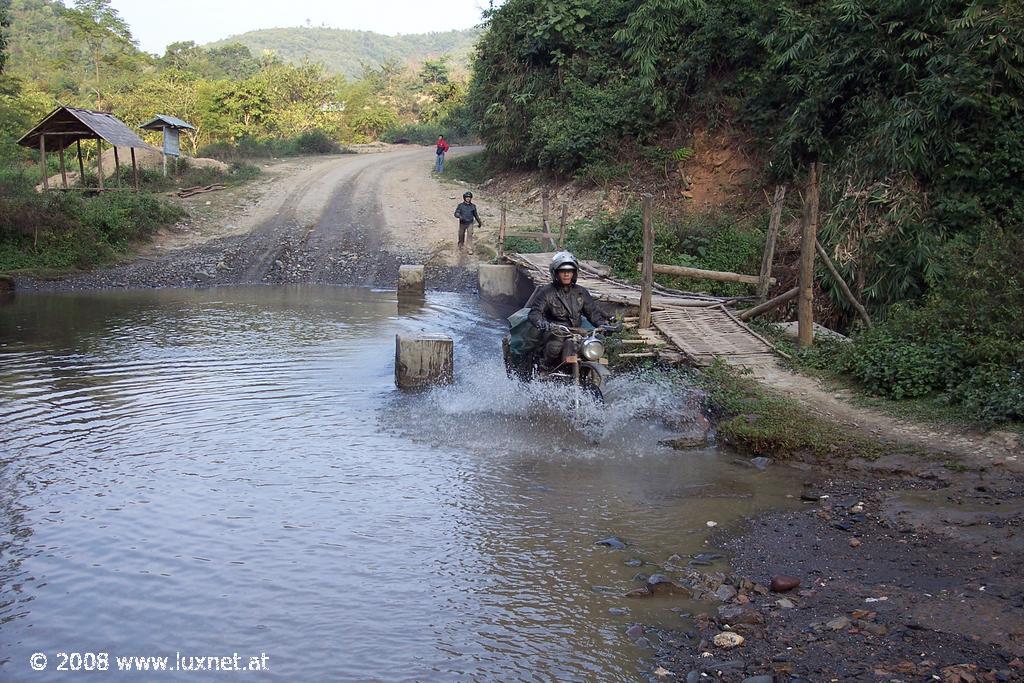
(67, 125)
(171, 126)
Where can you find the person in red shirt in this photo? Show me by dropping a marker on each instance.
(442, 147)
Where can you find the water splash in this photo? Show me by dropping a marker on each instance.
(484, 408)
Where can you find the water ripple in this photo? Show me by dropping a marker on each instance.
(233, 471)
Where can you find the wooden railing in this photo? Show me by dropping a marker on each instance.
(544, 235)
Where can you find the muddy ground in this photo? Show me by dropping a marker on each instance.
(909, 568)
(912, 575)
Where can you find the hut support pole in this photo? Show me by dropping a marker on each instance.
(63, 168)
(81, 164)
(135, 170)
(42, 161)
(117, 168)
(647, 276)
(805, 302)
(99, 160)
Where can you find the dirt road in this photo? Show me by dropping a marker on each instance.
(349, 219)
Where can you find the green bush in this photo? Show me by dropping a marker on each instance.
(184, 174)
(891, 364)
(964, 344)
(415, 134)
(469, 168)
(316, 142)
(71, 230)
(711, 241)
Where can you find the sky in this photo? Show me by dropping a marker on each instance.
(204, 21)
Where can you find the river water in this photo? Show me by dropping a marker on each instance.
(203, 473)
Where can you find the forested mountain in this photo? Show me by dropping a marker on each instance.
(349, 52)
(83, 54)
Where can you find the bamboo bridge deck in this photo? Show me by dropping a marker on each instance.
(700, 327)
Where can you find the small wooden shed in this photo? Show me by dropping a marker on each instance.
(171, 127)
(67, 125)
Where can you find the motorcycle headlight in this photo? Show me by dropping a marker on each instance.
(593, 349)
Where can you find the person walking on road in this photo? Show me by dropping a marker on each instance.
(442, 147)
(466, 213)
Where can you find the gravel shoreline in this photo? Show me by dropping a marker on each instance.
(888, 591)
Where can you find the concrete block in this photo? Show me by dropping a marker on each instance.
(410, 280)
(497, 280)
(423, 360)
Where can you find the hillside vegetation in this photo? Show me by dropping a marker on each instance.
(916, 110)
(85, 56)
(241, 105)
(351, 53)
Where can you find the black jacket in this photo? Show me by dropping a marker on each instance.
(466, 213)
(563, 305)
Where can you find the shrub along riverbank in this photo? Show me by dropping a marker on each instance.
(56, 231)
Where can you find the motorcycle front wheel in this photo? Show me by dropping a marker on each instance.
(593, 384)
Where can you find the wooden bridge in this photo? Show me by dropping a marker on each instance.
(700, 327)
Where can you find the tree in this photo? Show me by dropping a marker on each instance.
(435, 71)
(246, 108)
(184, 56)
(5, 21)
(233, 60)
(104, 32)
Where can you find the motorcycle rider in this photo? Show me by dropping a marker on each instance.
(563, 302)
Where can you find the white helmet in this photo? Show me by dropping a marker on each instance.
(564, 260)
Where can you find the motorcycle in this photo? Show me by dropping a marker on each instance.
(582, 365)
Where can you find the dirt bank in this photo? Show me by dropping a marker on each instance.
(900, 580)
(344, 219)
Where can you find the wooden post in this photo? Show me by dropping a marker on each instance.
(769, 305)
(501, 232)
(562, 223)
(805, 302)
(546, 217)
(647, 276)
(769, 245)
(850, 298)
(117, 168)
(42, 161)
(99, 159)
(81, 164)
(63, 168)
(700, 274)
(423, 360)
(135, 170)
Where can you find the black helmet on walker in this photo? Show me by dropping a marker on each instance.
(564, 260)
(467, 195)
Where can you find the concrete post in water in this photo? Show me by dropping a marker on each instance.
(410, 280)
(423, 360)
(497, 280)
